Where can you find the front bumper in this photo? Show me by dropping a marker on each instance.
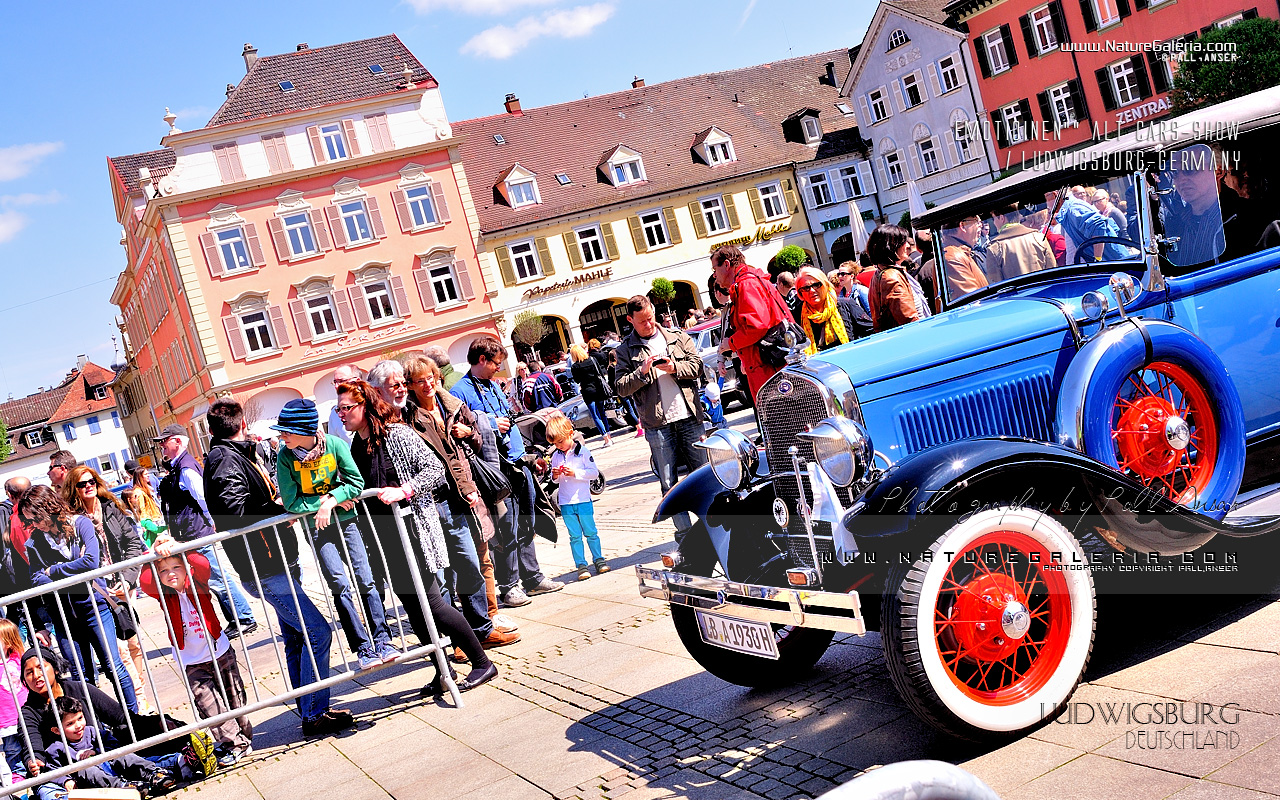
(806, 608)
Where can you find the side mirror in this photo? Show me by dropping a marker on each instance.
(1125, 290)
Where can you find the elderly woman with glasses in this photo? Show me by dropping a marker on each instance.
(828, 319)
(64, 544)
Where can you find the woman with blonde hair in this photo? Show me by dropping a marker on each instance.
(828, 319)
(595, 387)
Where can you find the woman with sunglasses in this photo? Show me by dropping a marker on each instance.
(828, 319)
(394, 459)
(119, 540)
(64, 544)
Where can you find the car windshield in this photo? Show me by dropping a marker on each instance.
(1075, 224)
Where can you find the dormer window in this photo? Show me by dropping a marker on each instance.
(623, 166)
(519, 187)
(812, 130)
(803, 126)
(715, 147)
(523, 193)
(898, 38)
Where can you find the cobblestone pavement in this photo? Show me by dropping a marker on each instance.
(600, 700)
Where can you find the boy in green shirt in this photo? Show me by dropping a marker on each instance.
(316, 475)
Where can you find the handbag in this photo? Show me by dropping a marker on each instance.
(773, 346)
(491, 482)
(126, 625)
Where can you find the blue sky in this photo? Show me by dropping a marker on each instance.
(90, 80)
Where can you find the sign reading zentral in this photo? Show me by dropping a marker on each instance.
(763, 234)
(576, 280)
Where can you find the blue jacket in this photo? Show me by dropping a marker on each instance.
(484, 397)
(1081, 221)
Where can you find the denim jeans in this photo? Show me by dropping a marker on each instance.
(580, 519)
(596, 407)
(670, 443)
(279, 592)
(334, 568)
(96, 633)
(234, 605)
(463, 573)
(515, 559)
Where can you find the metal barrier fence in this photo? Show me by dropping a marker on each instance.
(56, 598)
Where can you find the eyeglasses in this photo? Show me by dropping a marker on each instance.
(423, 380)
(344, 410)
(86, 484)
(396, 385)
(809, 287)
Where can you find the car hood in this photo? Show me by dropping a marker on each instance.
(981, 327)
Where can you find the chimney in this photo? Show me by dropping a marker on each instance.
(82, 361)
(637, 83)
(144, 182)
(831, 73)
(231, 87)
(250, 54)
(301, 46)
(513, 104)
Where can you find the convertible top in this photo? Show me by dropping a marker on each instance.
(1243, 114)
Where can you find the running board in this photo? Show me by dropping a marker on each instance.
(1258, 504)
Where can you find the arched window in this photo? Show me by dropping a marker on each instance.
(898, 38)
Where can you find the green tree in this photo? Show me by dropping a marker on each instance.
(1256, 66)
(6, 449)
(664, 291)
(791, 258)
(529, 328)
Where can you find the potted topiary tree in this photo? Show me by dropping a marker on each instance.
(664, 291)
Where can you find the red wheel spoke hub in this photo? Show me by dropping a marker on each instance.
(1164, 431)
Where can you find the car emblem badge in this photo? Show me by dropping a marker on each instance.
(780, 513)
(784, 387)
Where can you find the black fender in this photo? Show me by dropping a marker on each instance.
(951, 481)
(692, 495)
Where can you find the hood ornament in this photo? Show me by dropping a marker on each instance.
(796, 344)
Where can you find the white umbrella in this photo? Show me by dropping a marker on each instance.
(915, 203)
(857, 230)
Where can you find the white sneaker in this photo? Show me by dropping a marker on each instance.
(503, 621)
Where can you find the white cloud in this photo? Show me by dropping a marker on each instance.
(19, 159)
(11, 224)
(491, 7)
(30, 199)
(503, 41)
(746, 12)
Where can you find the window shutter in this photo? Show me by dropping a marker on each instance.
(699, 224)
(731, 211)
(1028, 36)
(898, 102)
(375, 131)
(442, 205)
(300, 321)
(1046, 110)
(1104, 86)
(610, 245)
(1077, 100)
(235, 338)
(278, 327)
(789, 194)
(343, 302)
(757, 208)
(1159, 77)
(278, 239)
(94, 427)
(917, 172)
(544, 256)
(1140, 71)
(997, 125)
(984, 63)
(1024, 106)
(385, 127)
(359, 306)
(423, 279)
(933, 80)
(375, 218)
(464, 280)
(255, 246)
(837, 186)
(349, 133)
(233, 160)
(211, 255)
(335, 222)
(866, 177)
(317, 147)
(273, 158)
(399, 297)
(69, 431)
(1123, 7)
(571, 247)
(673, 228)
(1009, 49)
(504, 265)
(224, 163)
(1205, 29)
(866, 110)
(1060, 22)
(953, 150)
(322, 235)
(403, 214)
(637, 234)
(1090, 17)
(1250, 13)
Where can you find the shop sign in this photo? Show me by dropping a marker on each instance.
(357, 339)
(1143, 111)
(763, 234)
(843, 222)
(575, 281)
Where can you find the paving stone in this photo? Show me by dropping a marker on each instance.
(1101, 778)
(816, 786)
(1258, 769)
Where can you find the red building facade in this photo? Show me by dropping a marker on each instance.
(1052, 74)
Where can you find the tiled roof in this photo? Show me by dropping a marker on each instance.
(79, 402)
(160, 162)
(661, 122)
(321, 76)
(932, 10)
(34, 408)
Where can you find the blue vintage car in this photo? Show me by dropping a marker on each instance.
(955, 482)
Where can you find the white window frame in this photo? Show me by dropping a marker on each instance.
(347, 214)
(627, 171)
(529, 185)
(334, 141)
(915, 83)
(1124, 70)
(713, 214)
(33, 439)
(377, 298)
(895, 168)
(812, 129)
(948, 75)
(100, 393)
(420, 203)
(964, 145)
(222, 245)
(532, 264)
(720, 153)
(1231, 20)
(658, 226)
(897, 39)
(878, 102)
(591, 245)
(1060, 103)
(820, 189)
(305, 213)
(771, 194)
(444, 276)
(1011, 115)
(995, 45)
(1108, 16)
(850, 181)
(263, 326)
(1042, 27)
(930, 161)
(316, 307)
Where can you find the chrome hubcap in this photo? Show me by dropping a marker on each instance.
(1015, 620)
(1177, 433)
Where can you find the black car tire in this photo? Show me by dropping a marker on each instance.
(798, 650)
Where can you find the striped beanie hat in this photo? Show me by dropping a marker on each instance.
(298, 417)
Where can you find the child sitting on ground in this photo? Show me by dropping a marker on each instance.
(214, 676)
(573, 468)
(84, 742)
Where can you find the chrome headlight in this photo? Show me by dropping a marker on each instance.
(842, 448)
(732, 456)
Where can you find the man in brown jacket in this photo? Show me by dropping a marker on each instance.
(1016, 249)
(964, 267)
(659, 369)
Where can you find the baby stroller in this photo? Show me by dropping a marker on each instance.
(534, 428)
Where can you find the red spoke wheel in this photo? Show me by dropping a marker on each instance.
(1164, 431)
(989, 633)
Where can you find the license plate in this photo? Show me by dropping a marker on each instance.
(753, 638)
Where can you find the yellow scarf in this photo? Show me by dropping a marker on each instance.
(832, 326)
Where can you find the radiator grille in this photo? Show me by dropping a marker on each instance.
(1018, 407)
